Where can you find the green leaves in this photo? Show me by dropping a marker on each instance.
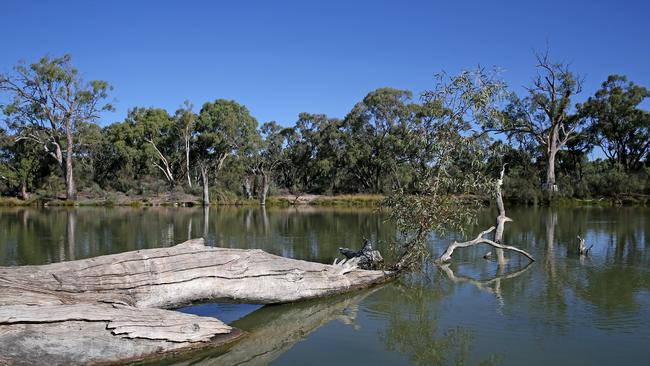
(453, 175)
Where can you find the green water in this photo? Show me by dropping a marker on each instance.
(562, 309)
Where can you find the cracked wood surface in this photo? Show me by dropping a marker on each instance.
(111, 308)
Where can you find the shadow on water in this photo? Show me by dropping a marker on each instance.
(274, 329)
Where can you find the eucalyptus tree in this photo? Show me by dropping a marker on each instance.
(269, 156)
(314, 149)
(544, 116)
(20, 163)
(373, 133)
(618, 125)
(448, 194)
(224, 128)
(186, 120)
(48, 101)
(154, 130)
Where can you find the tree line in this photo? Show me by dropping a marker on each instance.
(51, 143)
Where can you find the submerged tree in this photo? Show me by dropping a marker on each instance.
(446, 196)
(49, 100)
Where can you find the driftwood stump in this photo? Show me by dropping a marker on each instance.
(112, 308)
(498, 233)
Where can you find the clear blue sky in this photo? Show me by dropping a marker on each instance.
(284, 57)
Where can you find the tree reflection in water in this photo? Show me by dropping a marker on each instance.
(413, 327)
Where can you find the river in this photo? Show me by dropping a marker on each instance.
(561, 309)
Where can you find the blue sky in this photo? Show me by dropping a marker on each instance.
(281, 58)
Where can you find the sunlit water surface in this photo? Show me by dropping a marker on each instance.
(562, 309)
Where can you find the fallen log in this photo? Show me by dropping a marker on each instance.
(498, 234)
(112, 308)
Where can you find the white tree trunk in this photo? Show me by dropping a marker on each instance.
(187, 160)
(206, 185)
(264, 189)
(71, 189)
(498, 235)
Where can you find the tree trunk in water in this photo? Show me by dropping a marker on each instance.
(206, 191)
(498, 234)
(109, 309)
(264, 189)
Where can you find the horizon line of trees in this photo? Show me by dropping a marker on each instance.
(50, 142)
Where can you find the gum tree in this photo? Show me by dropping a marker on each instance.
(48, 101)
(544, 116)
(223, 128)
(455, 173)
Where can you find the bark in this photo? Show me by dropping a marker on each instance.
(264, 189)
(501, 219)
(248, 188)
(24, 194)
(550, 185)
(446, 256)
(71, 189)
(165, 168)
(206, 185)
(187, 160)
(111, 308)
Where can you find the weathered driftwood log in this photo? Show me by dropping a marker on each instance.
(446, 256)
(582, 247)
(110, 308)
(498, 234)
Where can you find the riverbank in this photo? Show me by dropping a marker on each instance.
(188, 200)
(173, 199)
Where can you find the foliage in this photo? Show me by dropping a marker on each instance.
(49, 102)
(619, 127)
(455, 175)
(432, 156)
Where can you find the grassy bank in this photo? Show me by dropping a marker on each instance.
(190, 200)
(348, 200)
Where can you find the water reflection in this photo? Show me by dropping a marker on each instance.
(563, 309)
(273, 330)
(414, 326)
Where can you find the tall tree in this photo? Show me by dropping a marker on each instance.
(49, 100)
(19, 164)
(224, 128)
(446, 198)
(186, 119)
(269, 156)
(544, 115)
(373, 135)
(156, 131)
(618, 125)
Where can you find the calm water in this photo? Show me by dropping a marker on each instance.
(562, 309)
